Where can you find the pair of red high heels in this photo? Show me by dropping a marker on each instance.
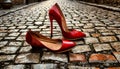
(56, 45)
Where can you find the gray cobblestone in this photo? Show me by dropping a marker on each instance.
(14, 34)
(38, 23)
(91, 40)
(102, 47)
(101, 26)
(81, 48)
(44, 66)
(32, 27)
(25, 49)
(7, 57)
(116, 31)
(21, 27)
(117, 55)
(118, 36)
(89, 30)
(105, 34)
(2, 34)
(15, 43)
(21, 38)
(3, 43)
(52, 56)
(9, 50)
(10, 38)
(13, 30)
(14, 67)
(11, 27)
(116, 46)
(28, 58)
(108, 39)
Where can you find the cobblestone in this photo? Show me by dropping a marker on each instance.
(44, 66)
(96, 34)
(10, 38)
(3, 43)
(15, 43)
(102, 47)
(91, 40)
(9, 50)
(80, 67)
(52, 56)
(108, 39)
(116, 31)
(116, 46)
(25, 49)
(28, 58)
(88, 30)
(7, 57)
(14, 67)
(118, 37)
(117, 55)
(98, 50)
(101, 58)
(21, 38)
(14, 34)
(77, 58)
(81, 48)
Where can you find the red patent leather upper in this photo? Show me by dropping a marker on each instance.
(73, 34)
(65, 44)
(56, 13)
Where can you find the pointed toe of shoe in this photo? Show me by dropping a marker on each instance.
(68, 44)
(74, 35)
(81, 34)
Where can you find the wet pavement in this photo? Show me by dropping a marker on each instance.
(100, 49)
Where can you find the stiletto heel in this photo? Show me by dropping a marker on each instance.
(71, 34)
(37, 40)
(51, 21)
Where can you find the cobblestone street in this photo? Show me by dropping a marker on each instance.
(100, 49)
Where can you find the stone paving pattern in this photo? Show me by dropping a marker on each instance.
(99, 50)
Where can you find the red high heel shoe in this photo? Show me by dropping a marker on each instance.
(55, 45)
(56, 13)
